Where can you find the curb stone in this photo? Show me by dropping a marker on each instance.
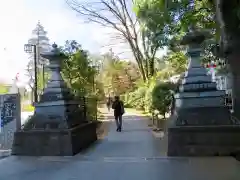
(5, 153)
(158, 134)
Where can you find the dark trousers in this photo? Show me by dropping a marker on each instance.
(109, 107)
(118, 119)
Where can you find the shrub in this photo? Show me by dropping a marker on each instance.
(162, 97)
(148, 95)
(139, 98)
(136, 98)
(151, 96)
(91, 108)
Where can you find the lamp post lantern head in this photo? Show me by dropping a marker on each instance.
(28, 48)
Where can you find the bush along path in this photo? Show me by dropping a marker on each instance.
(154, 96)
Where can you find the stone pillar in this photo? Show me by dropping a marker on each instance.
(59, 125)
(201, 123)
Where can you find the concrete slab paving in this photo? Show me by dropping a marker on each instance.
(132, 154)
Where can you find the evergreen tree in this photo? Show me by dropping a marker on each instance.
(39, 38)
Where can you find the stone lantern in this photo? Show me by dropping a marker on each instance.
(201, 124)
(59, 125)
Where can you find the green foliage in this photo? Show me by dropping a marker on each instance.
(4, 89)
(138, 97)
(135, 99)
(169, 21)
(41, 84)
(80, 74)
(143, 43)
(99, 91)
(175, 15)
(162, 97)
(117, 76)
(148, 95)
(27, 108)
(77, 69)
(172, 19)
(92, 111)
(176, 62)
(148, 100)
(154, 95)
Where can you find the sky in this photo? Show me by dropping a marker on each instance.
(19, 17)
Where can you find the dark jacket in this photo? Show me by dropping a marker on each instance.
(118, 108)
(173, 104)
(109, 101)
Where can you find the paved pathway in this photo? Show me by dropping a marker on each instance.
(131, 154)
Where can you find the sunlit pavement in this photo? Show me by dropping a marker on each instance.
(24, 116)
(132, 154)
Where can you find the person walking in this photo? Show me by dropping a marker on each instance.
(118, 107)
(172, 104)
(109, 101)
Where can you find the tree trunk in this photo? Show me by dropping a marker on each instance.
(32, 97)
(229, 22)
(234, 62)
(139, 59)
(151, 67)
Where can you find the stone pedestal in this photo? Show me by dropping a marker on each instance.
(201, 124)
(59, 126)
(50, 142)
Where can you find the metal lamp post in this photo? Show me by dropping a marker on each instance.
(43, 64)
(96, 67)
(29, 48)
(43, 74)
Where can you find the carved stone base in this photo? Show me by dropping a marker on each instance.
(66, 142)
(202, 116)
(204, 140)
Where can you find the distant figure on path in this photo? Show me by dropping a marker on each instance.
(172, 104)
(109, 102)
(118, 107)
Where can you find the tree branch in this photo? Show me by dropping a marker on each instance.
(114, 14)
